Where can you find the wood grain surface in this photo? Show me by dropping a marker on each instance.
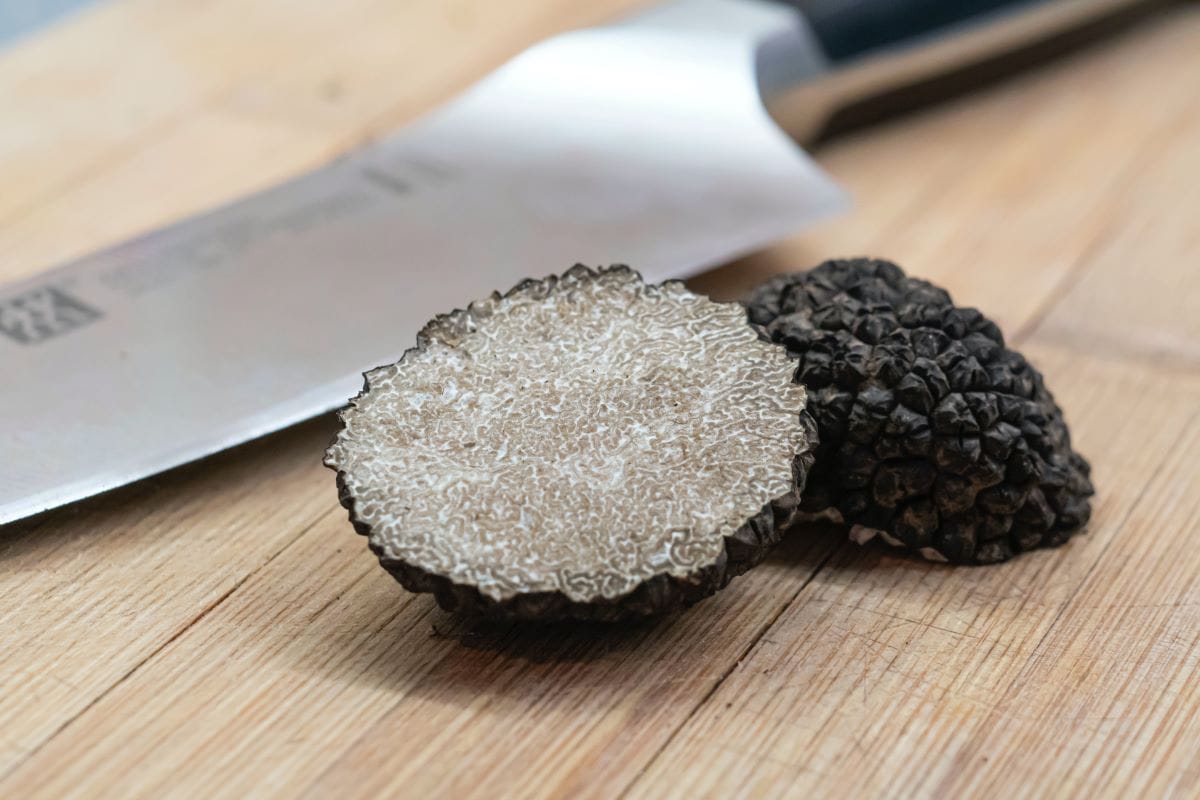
(219, 631)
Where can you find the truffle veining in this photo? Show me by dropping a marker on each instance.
(583, 446)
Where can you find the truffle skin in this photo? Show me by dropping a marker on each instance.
(584, 446)
(933, 435)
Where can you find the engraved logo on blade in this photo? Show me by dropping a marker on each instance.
(43, 314)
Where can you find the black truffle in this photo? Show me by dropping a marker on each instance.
(584, 446)
(933, 435)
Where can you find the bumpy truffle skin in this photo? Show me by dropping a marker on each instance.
(933, 435)
(558, 451)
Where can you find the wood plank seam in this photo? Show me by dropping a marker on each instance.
(1104, 234)
(1062, 288)
(1167, 362)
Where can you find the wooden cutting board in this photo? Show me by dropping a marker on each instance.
(220, 631)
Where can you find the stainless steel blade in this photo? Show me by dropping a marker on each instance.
(645, 144)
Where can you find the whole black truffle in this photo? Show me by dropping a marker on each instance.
(583, 446)
(933, 435)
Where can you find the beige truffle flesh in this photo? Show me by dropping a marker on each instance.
(585, 446)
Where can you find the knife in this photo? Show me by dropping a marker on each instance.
(656, 141)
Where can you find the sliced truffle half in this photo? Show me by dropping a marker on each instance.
(935, 436)
(584, 446)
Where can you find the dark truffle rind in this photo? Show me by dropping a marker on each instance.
(674, 586)
(662, 594)
(932, 433)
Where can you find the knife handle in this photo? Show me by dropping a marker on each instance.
(851, 29)
(870, 47)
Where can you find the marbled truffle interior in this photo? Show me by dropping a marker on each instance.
(578, 435)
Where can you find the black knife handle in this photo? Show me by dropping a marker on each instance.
(850, 29)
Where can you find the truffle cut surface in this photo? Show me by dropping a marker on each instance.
(583, 446)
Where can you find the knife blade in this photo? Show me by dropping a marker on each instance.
(646, 142)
